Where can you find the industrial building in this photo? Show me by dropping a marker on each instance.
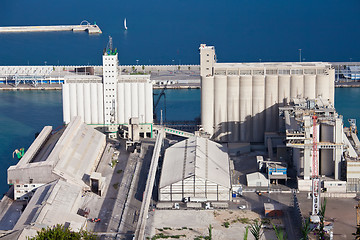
(239, 101)
(315, 134)
(109, 101)
(195, 168)
(71, 154)
(58, 198)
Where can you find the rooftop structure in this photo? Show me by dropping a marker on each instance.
(195, 167)
(239, 101)
(71, 154)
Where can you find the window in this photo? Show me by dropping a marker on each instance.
(25, 185)
(17, 185)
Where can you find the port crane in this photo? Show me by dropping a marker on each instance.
(316, 188)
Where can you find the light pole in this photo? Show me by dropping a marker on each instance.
(174, 65)
(137, 62)
(299, 54)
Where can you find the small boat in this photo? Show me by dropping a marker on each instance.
(125, 24)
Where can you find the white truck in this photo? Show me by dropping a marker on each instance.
(194, 199)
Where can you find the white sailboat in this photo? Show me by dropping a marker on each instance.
(125, 24)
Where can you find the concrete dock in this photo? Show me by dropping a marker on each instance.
(91, 29)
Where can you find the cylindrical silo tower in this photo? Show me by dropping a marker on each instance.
(142, 95)
(258, 108)
(322, 86)
(271, 103)
(73, 101)
(296, 86)
(233, 108)
(245, 108)
(100, 97)
(284, 89)
(134, 100)
(94, 104)
(149, 103)
(207, 104)
(310, 86)
(66, 102)
(87, 103)
(220, 107)
(121, 103)
(127, 95)
(80, 100)
(332, 85)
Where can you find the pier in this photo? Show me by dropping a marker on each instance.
(90, 28)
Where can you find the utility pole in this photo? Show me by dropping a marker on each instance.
(299, 54)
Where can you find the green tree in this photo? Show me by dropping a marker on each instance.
(255, 229)
(59, 232)
(305, 229)
(279, 232)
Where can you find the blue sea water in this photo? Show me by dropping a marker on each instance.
(167, 32)
(160, 31)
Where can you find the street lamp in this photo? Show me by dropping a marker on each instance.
(299, 54)
(137, 62)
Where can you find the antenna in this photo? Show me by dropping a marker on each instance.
(109, 46)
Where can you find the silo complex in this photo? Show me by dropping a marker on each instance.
(110, 100)
(239, 101)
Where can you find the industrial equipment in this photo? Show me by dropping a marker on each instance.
(315, 176)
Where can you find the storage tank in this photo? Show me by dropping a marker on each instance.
(245, 107)
(66, 103)
(141, 102)
(87, 103)
(149, 102)
(271, 103)
(233, 107)
(127, 95)
(258, 108)
(94, 104)
(134, 100)
(284, 89)
(332, 85)
(121, 103)
(322, 86)
(207, 104)
(73, 100)
(80, 100)
(310, 86)
(296, 86)
(327, 165)
(100, 103)
(220, 107)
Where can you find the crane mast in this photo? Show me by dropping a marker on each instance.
(315, 171)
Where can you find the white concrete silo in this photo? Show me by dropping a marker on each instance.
(207, 104)
(233, 108)
(220, 107)
(100, 102)
(127, 95)
(258, 108)
(121, 103)
(296, 86)
(322, 86)
(245, 107)
(148, 103)
(80, 100)
(332, 85)
(271, 103)
(284, 89)
(66, 102)
(94, 104)
(134, 99)
(310, 86)
(73, 100)
(87, 103)
(141, 93)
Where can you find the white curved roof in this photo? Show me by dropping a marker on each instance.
(197, 157)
